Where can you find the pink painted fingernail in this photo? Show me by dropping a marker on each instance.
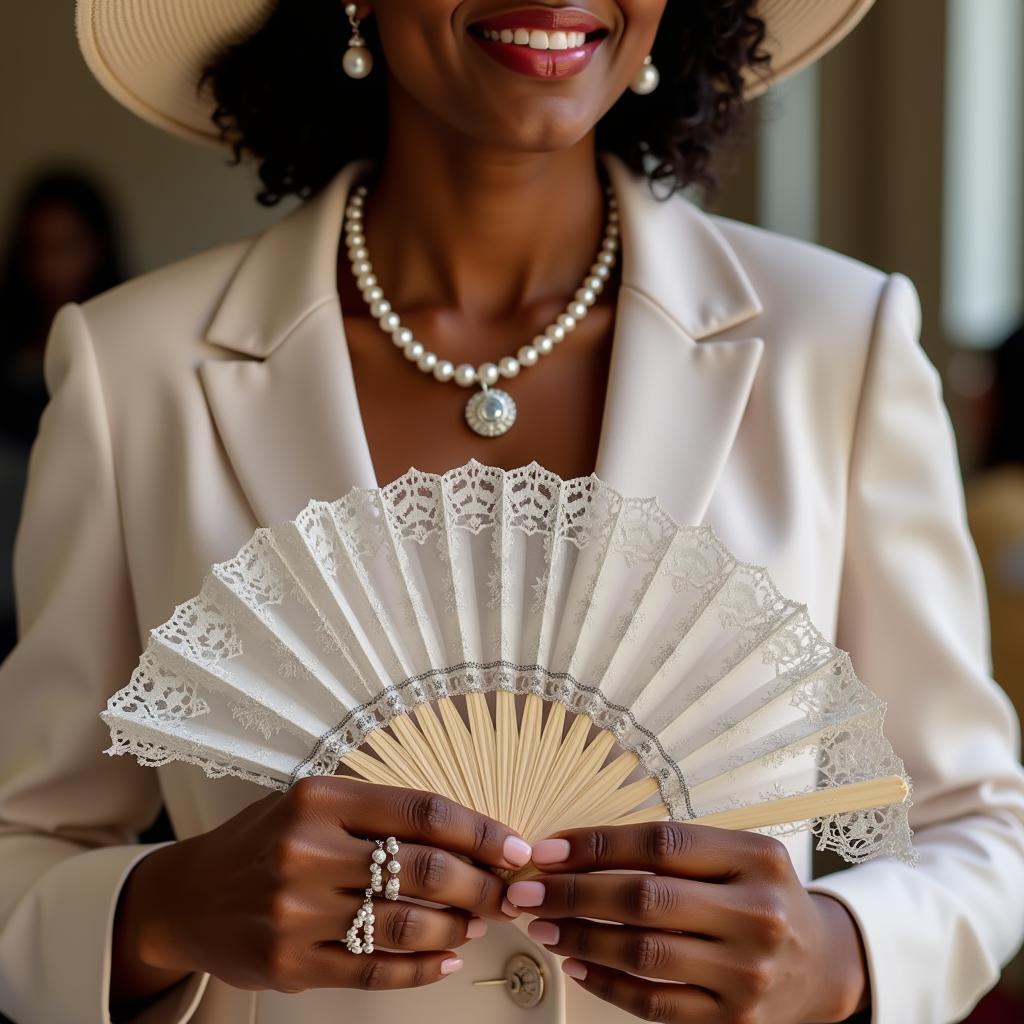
(526, 894)
(476, 929)
(507, 908)
(451, 965)
(574, 968)
(551, 851)
(517, 851)
(545, 932)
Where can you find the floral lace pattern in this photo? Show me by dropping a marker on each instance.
(323, 630)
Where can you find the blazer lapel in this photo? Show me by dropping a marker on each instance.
(287, 410)
(678, 387)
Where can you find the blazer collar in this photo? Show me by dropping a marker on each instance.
(672, 253)
(287, 410)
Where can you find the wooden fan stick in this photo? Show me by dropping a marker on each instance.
(371, 769)
(585, 772)
(393, 754)
(551, 737)
(506, 740)
(526, 754)
(547, 788)
(600, 794)
(412, 739)
(438, 741)
(855, 796)
(462, 748)
(481, 729)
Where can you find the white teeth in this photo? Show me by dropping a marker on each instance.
(536, 39)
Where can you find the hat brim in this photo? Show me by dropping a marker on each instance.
(148, 54)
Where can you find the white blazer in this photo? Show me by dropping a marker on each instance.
(768, 387)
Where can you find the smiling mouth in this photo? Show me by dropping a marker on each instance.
(538, 38)
(541, 42)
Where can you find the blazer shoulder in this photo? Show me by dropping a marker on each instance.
(783, 268)
(817, 300)
(170, 305)
(761, 244)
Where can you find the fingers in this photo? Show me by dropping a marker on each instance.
(426, 873)
(647, 952)
(400, 925)
(664, 847)
(648, 1000)
(331, 965)
(414, 816)
(646, 901)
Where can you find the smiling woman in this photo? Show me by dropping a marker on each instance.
(278, 90)
(489, 198)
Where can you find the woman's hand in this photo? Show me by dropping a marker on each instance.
(723, 912)
(264, 901)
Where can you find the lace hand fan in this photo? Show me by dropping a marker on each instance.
(546, 651)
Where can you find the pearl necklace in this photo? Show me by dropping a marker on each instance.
(490, 412)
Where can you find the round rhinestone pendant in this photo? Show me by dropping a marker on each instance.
(491, 412)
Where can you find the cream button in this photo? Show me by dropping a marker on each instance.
(523, 981)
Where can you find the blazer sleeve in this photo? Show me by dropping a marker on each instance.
(913, 615)
(69, 814)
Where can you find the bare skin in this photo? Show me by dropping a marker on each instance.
(481, 221)
(721, 911)
(263, 900)
(396, 407)
(476, 270)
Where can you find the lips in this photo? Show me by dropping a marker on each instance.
(541, 42)
(549, 19)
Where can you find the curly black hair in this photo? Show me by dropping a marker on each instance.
(282, 96)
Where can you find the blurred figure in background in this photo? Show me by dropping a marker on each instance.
(62, 247)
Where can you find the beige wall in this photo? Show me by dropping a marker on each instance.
(176, 198)
(880, 142)
(880, 148)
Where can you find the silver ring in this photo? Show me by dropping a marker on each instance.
(364, 919)
(391, 889)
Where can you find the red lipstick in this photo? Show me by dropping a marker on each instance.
(574, 36)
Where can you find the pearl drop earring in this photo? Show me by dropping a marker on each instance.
(646, 79)
(358, 61)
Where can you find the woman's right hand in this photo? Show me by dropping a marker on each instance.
(264, 900)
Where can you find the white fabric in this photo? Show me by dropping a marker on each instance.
(768, 388)
(325, 629)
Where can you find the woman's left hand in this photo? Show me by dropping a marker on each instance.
(723, 912)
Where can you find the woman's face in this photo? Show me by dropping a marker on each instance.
(511, 92)
(62, 253)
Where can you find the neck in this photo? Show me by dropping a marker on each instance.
(452, 223)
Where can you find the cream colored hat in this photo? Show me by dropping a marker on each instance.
(148, 54)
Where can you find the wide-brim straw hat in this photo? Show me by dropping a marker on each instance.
(148, 54)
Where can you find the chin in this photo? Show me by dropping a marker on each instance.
(548, 128)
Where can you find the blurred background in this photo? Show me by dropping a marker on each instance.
(904, 148)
